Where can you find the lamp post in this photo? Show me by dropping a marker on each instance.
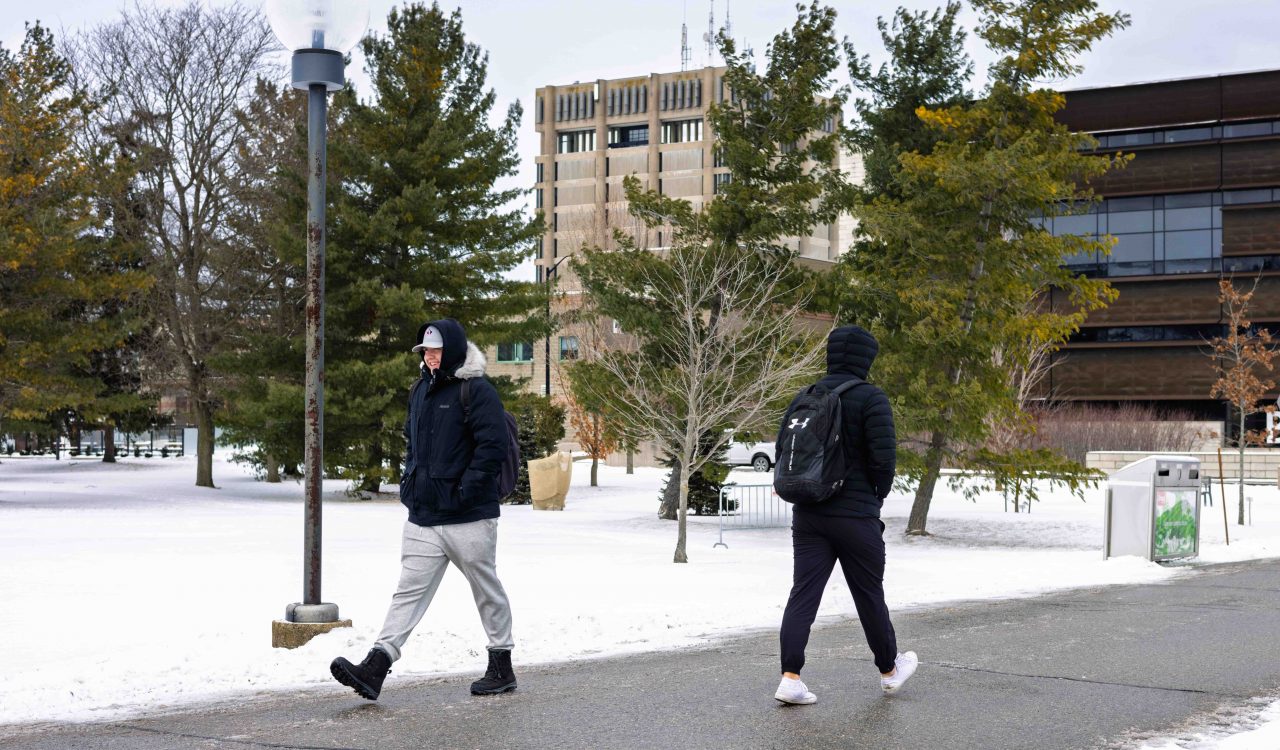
(547, 359)
(319, 32)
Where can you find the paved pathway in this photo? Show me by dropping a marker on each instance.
(1074, 670)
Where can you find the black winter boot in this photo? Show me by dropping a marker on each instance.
(367, 676)
(499, 677)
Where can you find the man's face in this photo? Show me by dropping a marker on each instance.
(431, 356)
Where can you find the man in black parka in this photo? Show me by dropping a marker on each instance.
(847, 527)
(450, 486)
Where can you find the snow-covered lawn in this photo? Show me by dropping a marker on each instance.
(1258, 728)
(125, 588)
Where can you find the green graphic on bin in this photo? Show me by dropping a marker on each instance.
(1175, 522)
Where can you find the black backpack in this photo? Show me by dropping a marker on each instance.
(811, 464)
(511, 459)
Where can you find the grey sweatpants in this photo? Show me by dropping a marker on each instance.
(425, 553)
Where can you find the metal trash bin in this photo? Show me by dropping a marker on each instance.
(1153, 509)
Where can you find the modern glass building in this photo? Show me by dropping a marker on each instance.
(1199, 202)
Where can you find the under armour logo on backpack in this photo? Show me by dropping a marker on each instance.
(796, 421)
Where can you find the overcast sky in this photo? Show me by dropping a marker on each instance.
(532, 44)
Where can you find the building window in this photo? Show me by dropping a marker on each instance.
(626, 136)
(576, 141)
(537, 197)
(1194, 332)
(568, 347)
(617, 327)
(518, 352)
(1188, 134)
(539, 172)
(682, 131)
(720, 180)
(1161, 234)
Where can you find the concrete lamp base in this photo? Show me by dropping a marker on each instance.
(302, 622)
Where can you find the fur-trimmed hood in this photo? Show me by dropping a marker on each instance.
(473, 366)
(461, 358)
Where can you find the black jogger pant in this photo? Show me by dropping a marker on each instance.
(858, 543)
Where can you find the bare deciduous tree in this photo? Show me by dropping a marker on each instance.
(1238, 358)
(178, 76)
(679, 383)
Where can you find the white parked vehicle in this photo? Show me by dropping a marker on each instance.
(758, 456)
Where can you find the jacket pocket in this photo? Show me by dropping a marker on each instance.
(407, 493)
(444, 494)
(478, 488)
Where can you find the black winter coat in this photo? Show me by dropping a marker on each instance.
(451, 464)
(869, 441)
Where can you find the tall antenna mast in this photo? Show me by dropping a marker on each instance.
(728, 23)
(710, 36)
(684, 40)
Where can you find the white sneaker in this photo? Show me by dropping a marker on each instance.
(794, 692)
(903, 667)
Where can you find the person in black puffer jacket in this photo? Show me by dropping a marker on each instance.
(450, 486)
(847, 527)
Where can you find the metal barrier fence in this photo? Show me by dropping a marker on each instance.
(751, 506)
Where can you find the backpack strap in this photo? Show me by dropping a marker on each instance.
(849, 384)
(466, 400)
(413, 393)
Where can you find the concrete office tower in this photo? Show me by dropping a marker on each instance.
(595, 134)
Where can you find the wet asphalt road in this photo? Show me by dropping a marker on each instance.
(1092, 668)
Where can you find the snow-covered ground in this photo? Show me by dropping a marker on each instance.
(125, 588)
(1256, 728)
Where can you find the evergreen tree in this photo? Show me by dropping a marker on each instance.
(927, 66)
(963, 252)
(420, 232)
(62, 284)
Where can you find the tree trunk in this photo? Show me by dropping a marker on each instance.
(595, 439)
(1240, 520)
(669, 509)
(372, 482)
(273, 469)
(631, 461)
(204, 443)
(108, 443)
(683, 490)
(924, 493)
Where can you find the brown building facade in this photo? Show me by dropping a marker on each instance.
(1199, 202)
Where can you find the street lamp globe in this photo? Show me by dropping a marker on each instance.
(319, 32)
(335, 25)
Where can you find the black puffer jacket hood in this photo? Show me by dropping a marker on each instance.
(455, 343)
(850, 351)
